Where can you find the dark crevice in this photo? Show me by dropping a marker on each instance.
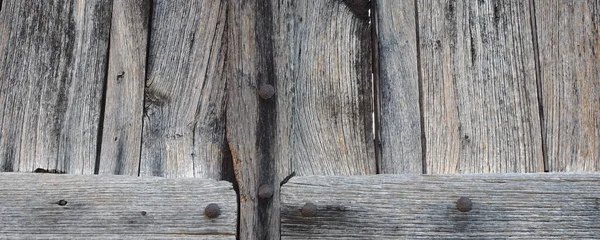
(103, 100)
(421, 93)
(149, 12)
(538, 79)
(376, 85)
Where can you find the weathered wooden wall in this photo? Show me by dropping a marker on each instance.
(255, 91)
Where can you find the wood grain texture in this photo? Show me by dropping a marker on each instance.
(123, 110)
(184, 126)
(53, 57)
(251, 123)
(528, 206)
(316, 54)
(401, 150)
(568, 34)
(324, 94)
(480, 103)
(128, 207)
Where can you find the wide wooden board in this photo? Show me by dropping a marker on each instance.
(527, 206)
(480, 104)
(316, 55)
(401, 150)
(53, 57)
(109, 206)
(568, 34)
(184, 104)
(123, 110)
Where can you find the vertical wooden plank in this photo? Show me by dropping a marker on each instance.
(53, 57)
(184, 126)
(122, 125)
(479, 87)
(316, 55)
(568, 33)
(324, 93)
(401, 150)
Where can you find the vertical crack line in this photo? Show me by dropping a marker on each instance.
(376, 86)
(149, 18)
(421, 93)
(103, 98)
(538, 80)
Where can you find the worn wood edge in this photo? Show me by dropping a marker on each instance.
(112, 206)
(517, 205)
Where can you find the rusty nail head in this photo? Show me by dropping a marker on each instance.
(464, 204)
(265, 191)
(266, 91)
(212, 210)
(309, 210)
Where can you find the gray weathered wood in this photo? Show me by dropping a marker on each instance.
(479, 87)
(324, 100)
(122, 125)
(316, 54)
(250, 64)
(53, 58)
(401, 150)
(184, 126)
(113, 207)
(532, 206)
(568, 34)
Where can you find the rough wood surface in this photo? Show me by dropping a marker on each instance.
(324, 94)
(111, 206)
(401, 150)
(122, 125)
(184, 126)
(568, 34)
(480, 103)
(318, 121)
(531, 206)
(251, 123)
(53, 57)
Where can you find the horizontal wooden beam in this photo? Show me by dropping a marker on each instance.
(58, 206)
(534, 206)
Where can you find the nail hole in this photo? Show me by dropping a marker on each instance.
(62, 202)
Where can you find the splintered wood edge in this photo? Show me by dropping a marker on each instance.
(36, 205)
(538, 206)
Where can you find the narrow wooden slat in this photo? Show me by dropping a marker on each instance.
(316, 55)
(528, 206)
(53, 58)
(251, 122)
(479, 87)
(568, 33)
(184, 126)
(401, 150)
(111, 206)
(122, 125)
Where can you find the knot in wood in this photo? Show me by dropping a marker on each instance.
(212, 210)
(464, 204)
(309, 210)
(266, 91)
